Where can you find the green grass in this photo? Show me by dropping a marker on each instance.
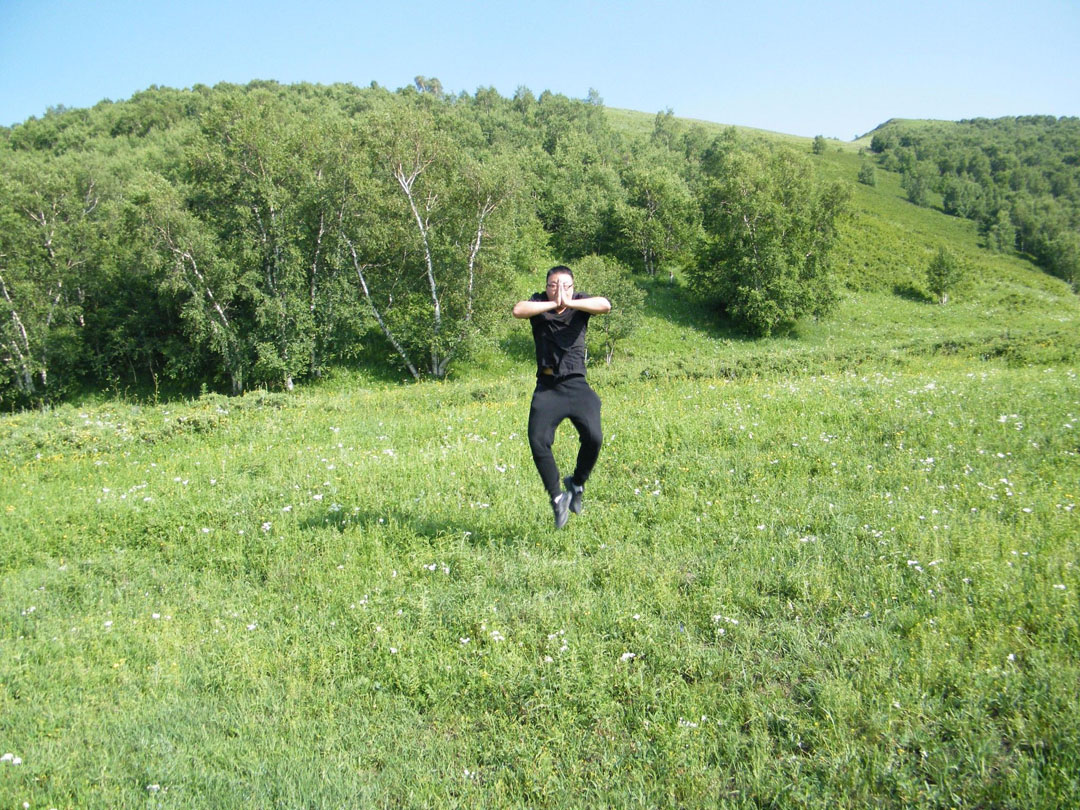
(832, 569)
(837, 589)
(640, 123)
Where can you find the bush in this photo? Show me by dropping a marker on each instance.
(601, 275)
(943, 274)
(770, 228)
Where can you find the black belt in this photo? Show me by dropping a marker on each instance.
(547, 376)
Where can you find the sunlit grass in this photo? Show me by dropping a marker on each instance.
(821, 590)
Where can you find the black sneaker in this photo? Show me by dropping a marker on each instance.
(576, 494)
(560, 505)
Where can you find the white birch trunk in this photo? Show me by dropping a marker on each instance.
(375, 311)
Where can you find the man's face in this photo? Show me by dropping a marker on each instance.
(557, 281)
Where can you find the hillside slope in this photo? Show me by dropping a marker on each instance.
(1005, 307)
(831, 570)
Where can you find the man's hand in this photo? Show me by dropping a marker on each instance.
(564, 295)
(560, 295)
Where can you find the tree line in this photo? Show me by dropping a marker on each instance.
(1019, 178)
(256, 235)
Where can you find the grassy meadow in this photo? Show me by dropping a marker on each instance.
(832, 569)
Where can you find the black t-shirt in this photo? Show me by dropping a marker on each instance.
(560, 339)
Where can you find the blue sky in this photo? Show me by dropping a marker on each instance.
(832, 67)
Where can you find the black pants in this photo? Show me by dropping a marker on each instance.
(552, 402)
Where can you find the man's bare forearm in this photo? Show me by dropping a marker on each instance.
(597, 305)
(526, 309)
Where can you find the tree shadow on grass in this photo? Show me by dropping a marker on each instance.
(672, 301)
(475, 531)
(518, 345)
(910, 292)
(378, 359)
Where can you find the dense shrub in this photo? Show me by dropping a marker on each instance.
(770, 227)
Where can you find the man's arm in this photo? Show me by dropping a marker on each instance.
(526, 309)
(596, 305)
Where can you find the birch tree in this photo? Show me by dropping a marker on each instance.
(770, 229)
(47, 243)
(427, 235)
(252, 164)
(659, 218)
(211, 289)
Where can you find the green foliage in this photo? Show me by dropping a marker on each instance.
(819, 145)
(232, 214)
(867, 174)
(259, 235)
(770, 228)
(659, 218)
(579, 195)
(602, 275)
(962, 197)
(426, 85)
(1025, 166)
(252, 168)
(443, 232)
(208, 286)
(1000, 233)
(917, 180)
(943, 274)
(56, 238)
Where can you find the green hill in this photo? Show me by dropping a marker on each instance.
(1007, 306)
(219, 236)
(831, 569)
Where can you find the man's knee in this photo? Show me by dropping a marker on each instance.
(592, 436)
(539, 442)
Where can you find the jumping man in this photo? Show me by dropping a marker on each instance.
(559, 318)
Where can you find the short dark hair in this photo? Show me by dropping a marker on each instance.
(560, 268)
